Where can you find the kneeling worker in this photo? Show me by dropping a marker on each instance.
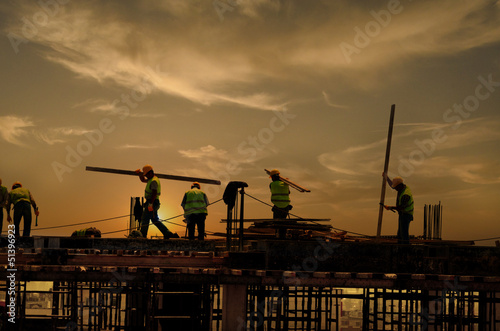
(195, 204)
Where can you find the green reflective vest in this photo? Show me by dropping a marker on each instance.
(408, 209)
(195, 202)
(280, 194)
(149, 192)
(19, 194)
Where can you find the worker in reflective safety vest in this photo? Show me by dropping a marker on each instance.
(404, 207)
(195, 204)
(22, 200)
(280, 196)
(152, 204)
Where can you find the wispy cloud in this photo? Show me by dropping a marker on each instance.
(52, 136)
(479, 171)
(367, 158)
(214, 64)
(13, 128)
(328, 101)
(204, 152)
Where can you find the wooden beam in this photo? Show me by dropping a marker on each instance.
(171, 177)
(290, 183)
(386, 167)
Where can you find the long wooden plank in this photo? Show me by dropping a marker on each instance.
(290, 183)
(171, 177)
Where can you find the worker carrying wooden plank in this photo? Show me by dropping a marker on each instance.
(280, 195)
(152, 194)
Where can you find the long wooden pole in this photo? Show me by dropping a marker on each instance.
(172, 177)
(386, 167)
(290, 183)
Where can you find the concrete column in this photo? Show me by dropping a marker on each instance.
(234, 307)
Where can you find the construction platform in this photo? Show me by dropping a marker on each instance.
(176, 284)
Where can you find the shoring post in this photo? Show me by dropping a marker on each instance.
(386, 167)
(242, 192)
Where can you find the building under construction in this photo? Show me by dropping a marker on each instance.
(265, 274)
(293, 274)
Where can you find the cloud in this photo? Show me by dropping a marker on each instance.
(13, 128)
(204, 152)
(418, 152)
(478, 171)
(328, 101)
(52, 136)
(214, 62)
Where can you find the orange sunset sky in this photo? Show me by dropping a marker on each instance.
(223, 89)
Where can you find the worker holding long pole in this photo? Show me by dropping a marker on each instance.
(404, 207)
(152, 204)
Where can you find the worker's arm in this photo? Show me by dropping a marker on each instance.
(183, 203)
(141, 176)
(389, 181)
(33, 203)
(404, 202)
(7, 208)
(390, 207)
(5, 198)
(154, 194)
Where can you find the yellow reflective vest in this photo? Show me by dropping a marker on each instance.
(408, 209)
(280, 194)
(149, 192)
(196, 202)
(19, 194)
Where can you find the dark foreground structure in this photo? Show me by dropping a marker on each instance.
(314, 284)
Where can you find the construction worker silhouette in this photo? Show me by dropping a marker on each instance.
(280, 196)
(195, 204)
(22, 200)
(152, 204)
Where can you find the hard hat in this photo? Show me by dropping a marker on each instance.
(196, 184)
(396, 181)
(274, 172)
(16, 184)
(147, 168)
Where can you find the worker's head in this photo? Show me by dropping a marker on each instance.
(396, 181)
(196, 184)
(16, 185)
(147, 168)
(274, 172)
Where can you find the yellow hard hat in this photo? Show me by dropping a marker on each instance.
(396, 181)
(147, 168)
(196, 184)
(16, 184)
(274, 172)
